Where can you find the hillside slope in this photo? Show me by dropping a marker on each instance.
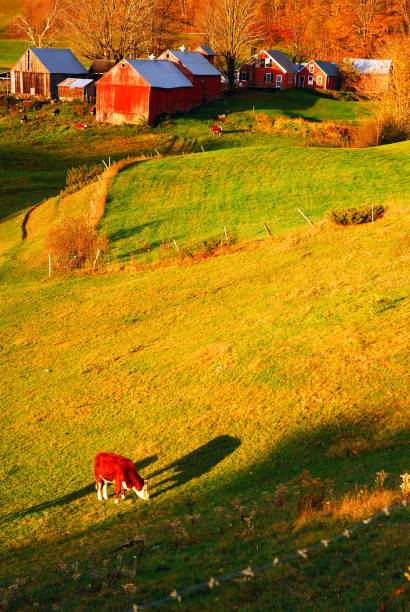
(223, 381)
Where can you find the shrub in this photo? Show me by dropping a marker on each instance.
(382, 129)
(79, 177)
(311, 492)
(73, 243)
(357, 214)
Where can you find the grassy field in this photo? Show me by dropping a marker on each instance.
(247, 387)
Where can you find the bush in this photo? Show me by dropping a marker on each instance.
(77, 178)
(74, 244)
(357, 214)
(379, 130)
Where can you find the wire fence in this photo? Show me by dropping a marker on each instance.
(251, 571)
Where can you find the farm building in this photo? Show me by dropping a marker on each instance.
(99, 67)
(268, 70)
(206, 52)
(374, 74)
(136, 90)
(76, 89)
(205, 78)
(39, 71)
(322, 75)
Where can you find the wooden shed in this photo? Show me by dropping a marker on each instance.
(99, 67)
(76, 89)
(374, 75)
(205, 78)
(39, 71)
(137, 89)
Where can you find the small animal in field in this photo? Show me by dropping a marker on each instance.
(216, 129)
(109, 468)
(56, 111)
(221, 117)
(81, 126)
(23, 119)
(92, 110)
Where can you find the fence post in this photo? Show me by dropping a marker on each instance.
(226, 233)
(305, 217)
(265, 225)
(95, 260)
(176, 246)
(49, 265)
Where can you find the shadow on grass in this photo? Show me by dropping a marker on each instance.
(196, 464)
(69, 497)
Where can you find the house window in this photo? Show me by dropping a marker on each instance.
(311, 68)
(291, 79)
(310, 80)
(278, 80)
(319, 80)
(267, 77)
(268, 63)
(243, 76)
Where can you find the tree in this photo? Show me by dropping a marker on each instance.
(40, 22)
(231, 27)
(111, 29)
(350, 75)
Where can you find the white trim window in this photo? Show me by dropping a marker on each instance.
(278, 80)
(244, 76)
(319, 80)
(291, 79)
(311, 67)
(310, 80)
(267, 77)
(268, 63)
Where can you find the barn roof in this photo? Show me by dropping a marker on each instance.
(74, 83)
(282, 60)
(160, 73)
(207, 49)
(328, 68)
(370, 66)
(196, 63)
(59, 61)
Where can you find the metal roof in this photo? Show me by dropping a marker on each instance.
(59, 61)
(207, 49)
(160, 73)
(72, 83)
(282, 60)
(369, 66)
(196, 63)
(329, 68)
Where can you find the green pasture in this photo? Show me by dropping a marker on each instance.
(10, 51)
(35, 157)
(191, 198)
(238, 384)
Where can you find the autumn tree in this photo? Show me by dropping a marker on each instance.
(40, 22)
(231, 27)
(111, 29)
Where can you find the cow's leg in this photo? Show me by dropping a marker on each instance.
(99, 496)
(118, 487)
(122, 490)
(104, 490)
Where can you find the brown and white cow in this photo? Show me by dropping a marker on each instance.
(216, 129)
(109, 468)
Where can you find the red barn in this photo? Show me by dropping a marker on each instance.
(205, 78)
(136, 90)
(268, 70)
(322, 75)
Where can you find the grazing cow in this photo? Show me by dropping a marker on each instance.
(109, 468)
(215, 129)
(221, 117)
(80, 126)
(23, 119)
(56, 111)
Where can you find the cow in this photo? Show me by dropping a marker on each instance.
(109, 468)
(80, 126)
(56, 111)
(215, 129)
(221, 117)
(23, 119)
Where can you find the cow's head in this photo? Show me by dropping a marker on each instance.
(144, 492)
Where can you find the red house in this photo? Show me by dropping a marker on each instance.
(205, 78)
(136, 90)
(322, 75)
(268, 69)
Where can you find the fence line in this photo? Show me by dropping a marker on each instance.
(249, 571)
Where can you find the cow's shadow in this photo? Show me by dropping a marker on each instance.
(194, 464)
(69, 497)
